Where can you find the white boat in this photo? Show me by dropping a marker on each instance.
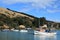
(44, 33)
(23, 30)
(5, 30)
(15, 30)
(28, 28)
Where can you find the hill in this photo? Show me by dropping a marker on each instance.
(13, 19)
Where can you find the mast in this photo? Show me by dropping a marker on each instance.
(39, 22)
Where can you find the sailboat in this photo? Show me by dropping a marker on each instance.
(44, 32)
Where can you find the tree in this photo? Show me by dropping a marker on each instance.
(36, 22)
(42, 20)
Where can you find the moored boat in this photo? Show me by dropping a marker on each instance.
(15, 30)
(44, 33)
(5, 30)
(23, 30)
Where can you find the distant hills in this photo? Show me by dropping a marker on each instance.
(14, 19)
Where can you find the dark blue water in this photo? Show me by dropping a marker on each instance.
(26, 36)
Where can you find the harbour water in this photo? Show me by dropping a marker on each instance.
(26, 36)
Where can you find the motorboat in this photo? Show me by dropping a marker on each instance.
(23, 30)
(45, 33)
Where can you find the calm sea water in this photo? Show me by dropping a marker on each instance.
(26, 36)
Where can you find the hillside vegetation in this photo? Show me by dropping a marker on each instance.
(14, 19)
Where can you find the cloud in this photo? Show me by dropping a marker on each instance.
(53, 11)
(34, 3)
(13, 1)
(55, 20)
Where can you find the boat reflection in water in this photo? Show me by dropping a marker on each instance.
(43, 37)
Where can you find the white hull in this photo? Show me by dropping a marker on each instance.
(23, 30)
(5, 30)
(15, 30)
(44, 33)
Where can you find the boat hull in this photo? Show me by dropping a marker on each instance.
(44, 33)
(23, 30)
(15, 30)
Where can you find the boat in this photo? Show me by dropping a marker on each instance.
(44, 30)
(5, 30)
(44, 33)
(15, 30)
(47, 32)
(23, 30)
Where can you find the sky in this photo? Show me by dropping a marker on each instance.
(50, 9)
